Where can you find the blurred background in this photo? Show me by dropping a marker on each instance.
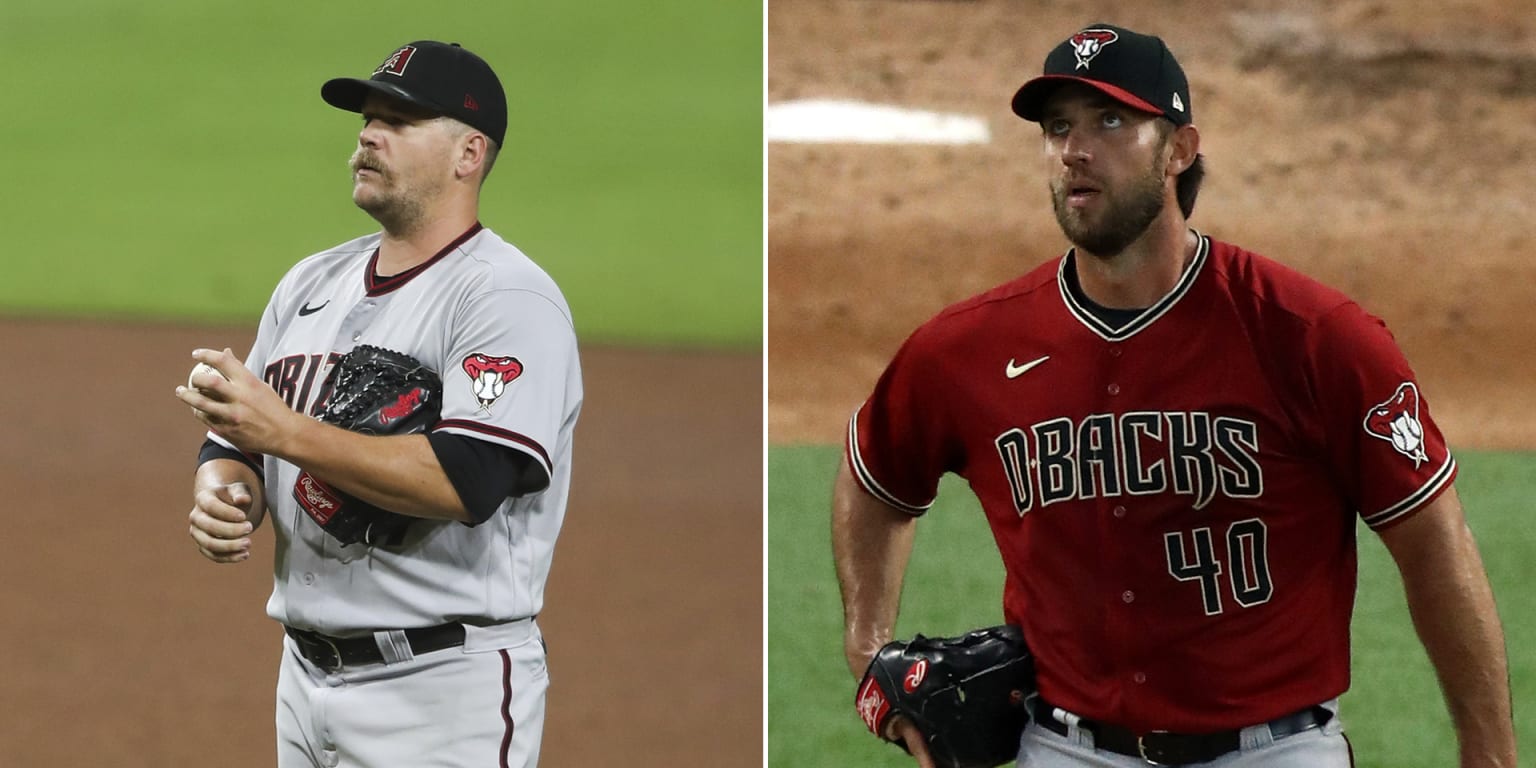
(180, 150)
(1381, 147)
(165, 163)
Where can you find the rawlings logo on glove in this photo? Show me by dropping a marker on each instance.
(965, 694)
(874, 708)
(406, 405)
(376, 392)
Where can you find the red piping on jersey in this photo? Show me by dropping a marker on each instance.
(505, 434)
(378, 286)
(506, 705)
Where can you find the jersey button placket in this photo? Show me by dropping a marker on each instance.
(357, 321)
(1114, 354)
(1123, 626)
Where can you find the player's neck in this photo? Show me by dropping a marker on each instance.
(400, 250)
(1144, 272)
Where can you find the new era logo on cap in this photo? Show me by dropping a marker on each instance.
(1132, 68)
(444, 78)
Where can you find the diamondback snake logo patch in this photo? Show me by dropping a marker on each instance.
(489, 376)
(1397, 421)
(1087, 44)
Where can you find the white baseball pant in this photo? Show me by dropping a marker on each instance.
(472, 706)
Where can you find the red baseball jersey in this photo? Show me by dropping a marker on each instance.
(1174, 500)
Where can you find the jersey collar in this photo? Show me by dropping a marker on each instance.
(378, 286)
(1150, 314)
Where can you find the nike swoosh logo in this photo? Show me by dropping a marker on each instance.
(308, 310)
(1014, 371)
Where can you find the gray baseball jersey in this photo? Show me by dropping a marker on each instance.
(498, 331)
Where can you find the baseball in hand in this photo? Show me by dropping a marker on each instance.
(202, 368)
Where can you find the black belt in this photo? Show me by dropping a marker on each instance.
(332, 653)
(1163, 748)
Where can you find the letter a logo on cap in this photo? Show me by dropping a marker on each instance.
(395, 64)
(1087, 44)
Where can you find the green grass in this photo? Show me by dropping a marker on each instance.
(1394, 712)
(172, 159)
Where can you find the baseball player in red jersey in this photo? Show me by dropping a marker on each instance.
(1171, 438)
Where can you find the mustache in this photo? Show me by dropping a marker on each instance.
(362, 159)
(1076, 180)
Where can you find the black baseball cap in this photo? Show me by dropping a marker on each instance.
(442, 77)
(1134, 69)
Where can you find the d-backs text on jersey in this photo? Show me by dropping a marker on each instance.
(1145, 452)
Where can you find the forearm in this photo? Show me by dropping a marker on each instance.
(871, 543)
(399, 473)
(221, 472)
(1466, 645)
(1453, 611)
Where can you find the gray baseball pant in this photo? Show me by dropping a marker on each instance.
(1323, 747)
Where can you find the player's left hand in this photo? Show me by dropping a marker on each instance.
(239, 406)
(219, 522)
(904, 729)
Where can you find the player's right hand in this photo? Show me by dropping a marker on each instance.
(219, 524)
(902, 728)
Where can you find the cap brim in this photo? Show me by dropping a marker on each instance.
(349, 93)
(1029, 102)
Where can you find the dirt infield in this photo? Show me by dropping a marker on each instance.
(123, 647)
(1384, 148)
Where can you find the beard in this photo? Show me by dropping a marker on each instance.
(398, 206)
(1125, 215)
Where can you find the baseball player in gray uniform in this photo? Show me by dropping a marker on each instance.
(423, 649)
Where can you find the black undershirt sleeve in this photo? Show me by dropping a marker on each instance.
(212, 450)
(484, 473)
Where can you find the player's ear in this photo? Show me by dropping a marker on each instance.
(472, 150)
(1185, 144)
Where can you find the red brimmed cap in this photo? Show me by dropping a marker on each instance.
(1134, 69)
